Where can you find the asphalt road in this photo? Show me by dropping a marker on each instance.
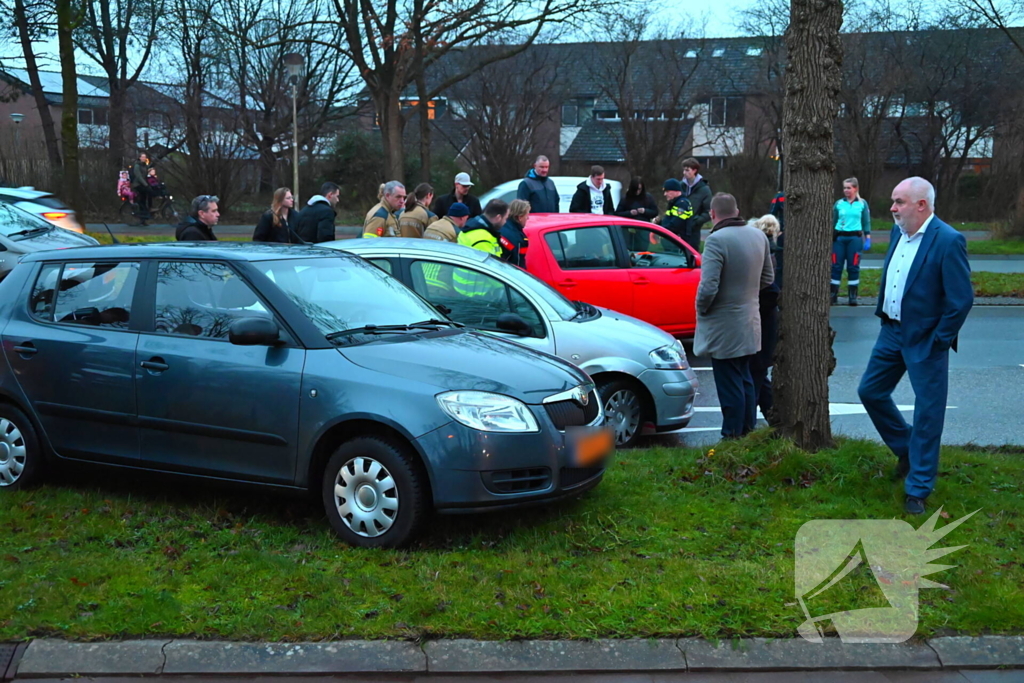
(986, 381)
(945, 676)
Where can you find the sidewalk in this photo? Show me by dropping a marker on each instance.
(57, 658)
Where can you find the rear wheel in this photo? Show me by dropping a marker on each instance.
(374, 495)
(623, 410)
(21, 458)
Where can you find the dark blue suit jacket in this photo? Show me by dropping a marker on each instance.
(939, 294)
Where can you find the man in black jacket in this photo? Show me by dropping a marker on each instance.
(697, 190)
(678, 216)
(198, 225)
(593, 195)
(460, 193)
(538, 189)
(316, 222)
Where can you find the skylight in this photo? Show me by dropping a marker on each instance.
(719, 51)
(754, 51)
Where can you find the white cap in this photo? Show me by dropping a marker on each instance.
(463, 179)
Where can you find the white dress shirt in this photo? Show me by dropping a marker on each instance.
(899, 267)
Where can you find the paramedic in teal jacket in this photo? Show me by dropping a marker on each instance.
(851, 234)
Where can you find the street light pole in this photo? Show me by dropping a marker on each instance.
(293, 64)
(17, 126)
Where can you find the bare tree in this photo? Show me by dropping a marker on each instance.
(68, 18)
(805, 359)
(33, 22)
(119, 36)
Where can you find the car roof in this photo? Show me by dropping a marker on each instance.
(357, 246)
(225, 251)
(571, 220)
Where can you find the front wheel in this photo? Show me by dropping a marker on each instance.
(373, 494)
(21, 458)
(623, 410)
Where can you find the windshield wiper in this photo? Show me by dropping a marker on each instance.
(33, 231)
(387, 329)
(580, 309)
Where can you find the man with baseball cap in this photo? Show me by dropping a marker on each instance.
(447, 229)
(460, 193)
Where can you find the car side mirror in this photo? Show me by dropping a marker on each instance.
(254, 331)
(512, 322)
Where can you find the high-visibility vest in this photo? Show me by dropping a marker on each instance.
(480, 239)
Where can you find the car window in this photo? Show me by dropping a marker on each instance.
(202, 299)
(651, 249)
(14, 221)
(41, 299)
(472, 297)
(582, 248)
(381, 263)
(97, 294)
(345, 293)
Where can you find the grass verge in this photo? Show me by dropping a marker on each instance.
(674, 542)
(974, 247)
(985, 284)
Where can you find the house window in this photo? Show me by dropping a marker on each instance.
(607, 115)
(570, 115)
(726, 111)
(718, 52)
(85, 117)
(691, 54)
(754, 51)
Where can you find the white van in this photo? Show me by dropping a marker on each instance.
(566, 186)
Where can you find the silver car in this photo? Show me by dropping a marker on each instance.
(641, 372)
(22, 233)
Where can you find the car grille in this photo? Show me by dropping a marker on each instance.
(568, 413)
(517, 481)
(573, 476)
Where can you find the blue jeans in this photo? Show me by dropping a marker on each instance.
(846, 252)
(930, 381)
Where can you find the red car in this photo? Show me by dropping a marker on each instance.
(629, 266)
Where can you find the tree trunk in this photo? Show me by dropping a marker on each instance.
(45, 117)
(805, 360)
(115, 128)
(392, 125)
(67, 21)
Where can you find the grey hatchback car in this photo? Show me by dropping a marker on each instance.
(293, 367)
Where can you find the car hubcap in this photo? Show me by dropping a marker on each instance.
(623, 414)
(12, 453)
(366, 497)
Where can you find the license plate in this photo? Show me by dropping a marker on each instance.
(592, 446)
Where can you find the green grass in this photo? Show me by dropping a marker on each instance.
(674, 542)
(985, 284)
(975, 247)
(884, 225)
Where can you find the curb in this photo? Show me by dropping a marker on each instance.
(58, 658)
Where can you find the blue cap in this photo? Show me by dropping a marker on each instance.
(458, 210)
(673, 185)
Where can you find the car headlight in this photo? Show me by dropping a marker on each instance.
(487, 412)
(671, 357)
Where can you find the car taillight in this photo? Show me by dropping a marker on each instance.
(55, 215)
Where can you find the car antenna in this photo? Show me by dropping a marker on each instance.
(110, 232)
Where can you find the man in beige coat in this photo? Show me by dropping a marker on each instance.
(736, 265)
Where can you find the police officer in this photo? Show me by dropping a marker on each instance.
(678, 218)
(484, 231)
(852, 233)
(382, 219)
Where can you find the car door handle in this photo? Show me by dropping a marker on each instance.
(641, 281)
(567, 283)
(155, 364)
(26, 349)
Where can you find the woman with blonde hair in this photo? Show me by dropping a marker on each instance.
(768, 306)
(513, 240)
(278, 224)
(417, 216)
(851, 234)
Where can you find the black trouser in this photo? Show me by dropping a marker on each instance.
(762, 360)
(693, 239)
(144, 199)
(736, 395)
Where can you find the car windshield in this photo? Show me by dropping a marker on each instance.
(565, 309)
(14, 221)
(340, 294)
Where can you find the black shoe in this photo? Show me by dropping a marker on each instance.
(914, 506)
(834, 293)
(853, 294)
(901, 470)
